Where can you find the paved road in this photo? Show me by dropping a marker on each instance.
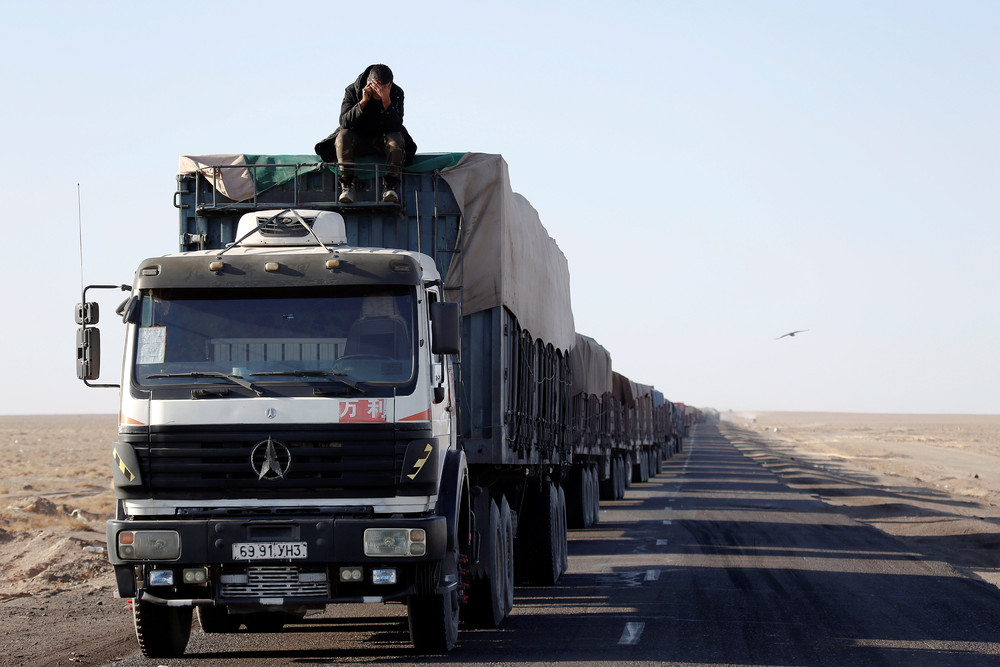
(714, 562)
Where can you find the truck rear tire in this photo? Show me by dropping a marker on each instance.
(640, 469)
(562, 535)
(433, 617)
(590, 498)
(507, 521)
(162, 631)
(218, 620)
(542, 535)
(577, 498)
(608, 488)
(487, 606)
(266, 621)
(595, 496)
(616, 480)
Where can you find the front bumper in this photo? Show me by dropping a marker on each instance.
(332, 544)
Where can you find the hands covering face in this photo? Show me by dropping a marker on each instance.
(377, 91)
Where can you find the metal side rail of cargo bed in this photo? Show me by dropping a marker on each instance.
(301, 184)
(428, 218)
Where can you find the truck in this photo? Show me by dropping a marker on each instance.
(372, 402)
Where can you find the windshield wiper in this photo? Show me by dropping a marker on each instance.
(235, 379)
(336, 377)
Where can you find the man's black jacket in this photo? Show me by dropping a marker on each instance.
(373, 120)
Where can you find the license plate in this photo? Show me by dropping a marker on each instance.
(269, 550)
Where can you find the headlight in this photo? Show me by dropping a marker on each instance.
(149, 544)
(160, 577)
(395, 542)
(195, 575)
(385, 577)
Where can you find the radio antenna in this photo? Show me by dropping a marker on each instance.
(79, 215)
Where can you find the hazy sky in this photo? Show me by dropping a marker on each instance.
(717, 173)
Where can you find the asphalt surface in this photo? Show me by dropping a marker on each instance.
(714, 562)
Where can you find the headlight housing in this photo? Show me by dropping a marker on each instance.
(381, 542)
(149, 545)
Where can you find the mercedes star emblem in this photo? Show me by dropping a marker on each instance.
(270, 459)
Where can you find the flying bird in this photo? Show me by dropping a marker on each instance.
(791, 334)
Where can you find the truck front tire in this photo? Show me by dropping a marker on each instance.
(433, 612)
(163, 632)
(433, 617)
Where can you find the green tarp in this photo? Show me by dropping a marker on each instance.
(239, 176)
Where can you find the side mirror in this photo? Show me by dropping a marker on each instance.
(446, 328)
(88, 353)
(129, 310)
(88, 339)
(87, 313)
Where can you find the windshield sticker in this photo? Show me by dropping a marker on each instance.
(152, 345)
(363, 410)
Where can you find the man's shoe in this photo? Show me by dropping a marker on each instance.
(346, 194)
(390, 196)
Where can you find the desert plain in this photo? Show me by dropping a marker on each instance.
(932, 481)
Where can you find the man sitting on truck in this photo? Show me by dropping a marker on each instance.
(371, 123)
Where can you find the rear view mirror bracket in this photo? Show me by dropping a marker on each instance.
(88, 337)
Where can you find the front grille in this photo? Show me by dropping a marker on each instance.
(191, 462)
(274, 581)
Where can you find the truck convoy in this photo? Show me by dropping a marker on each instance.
(372, 402)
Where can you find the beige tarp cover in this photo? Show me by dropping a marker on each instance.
(591, 367)
(507, 256)
(233, 183)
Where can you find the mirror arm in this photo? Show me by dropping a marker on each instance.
(89, 345)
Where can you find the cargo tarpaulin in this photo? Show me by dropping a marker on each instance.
(623, 389)
(508, 258)
(640, 391)
(590, 364)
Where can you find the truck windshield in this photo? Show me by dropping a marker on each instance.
(355, 339)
